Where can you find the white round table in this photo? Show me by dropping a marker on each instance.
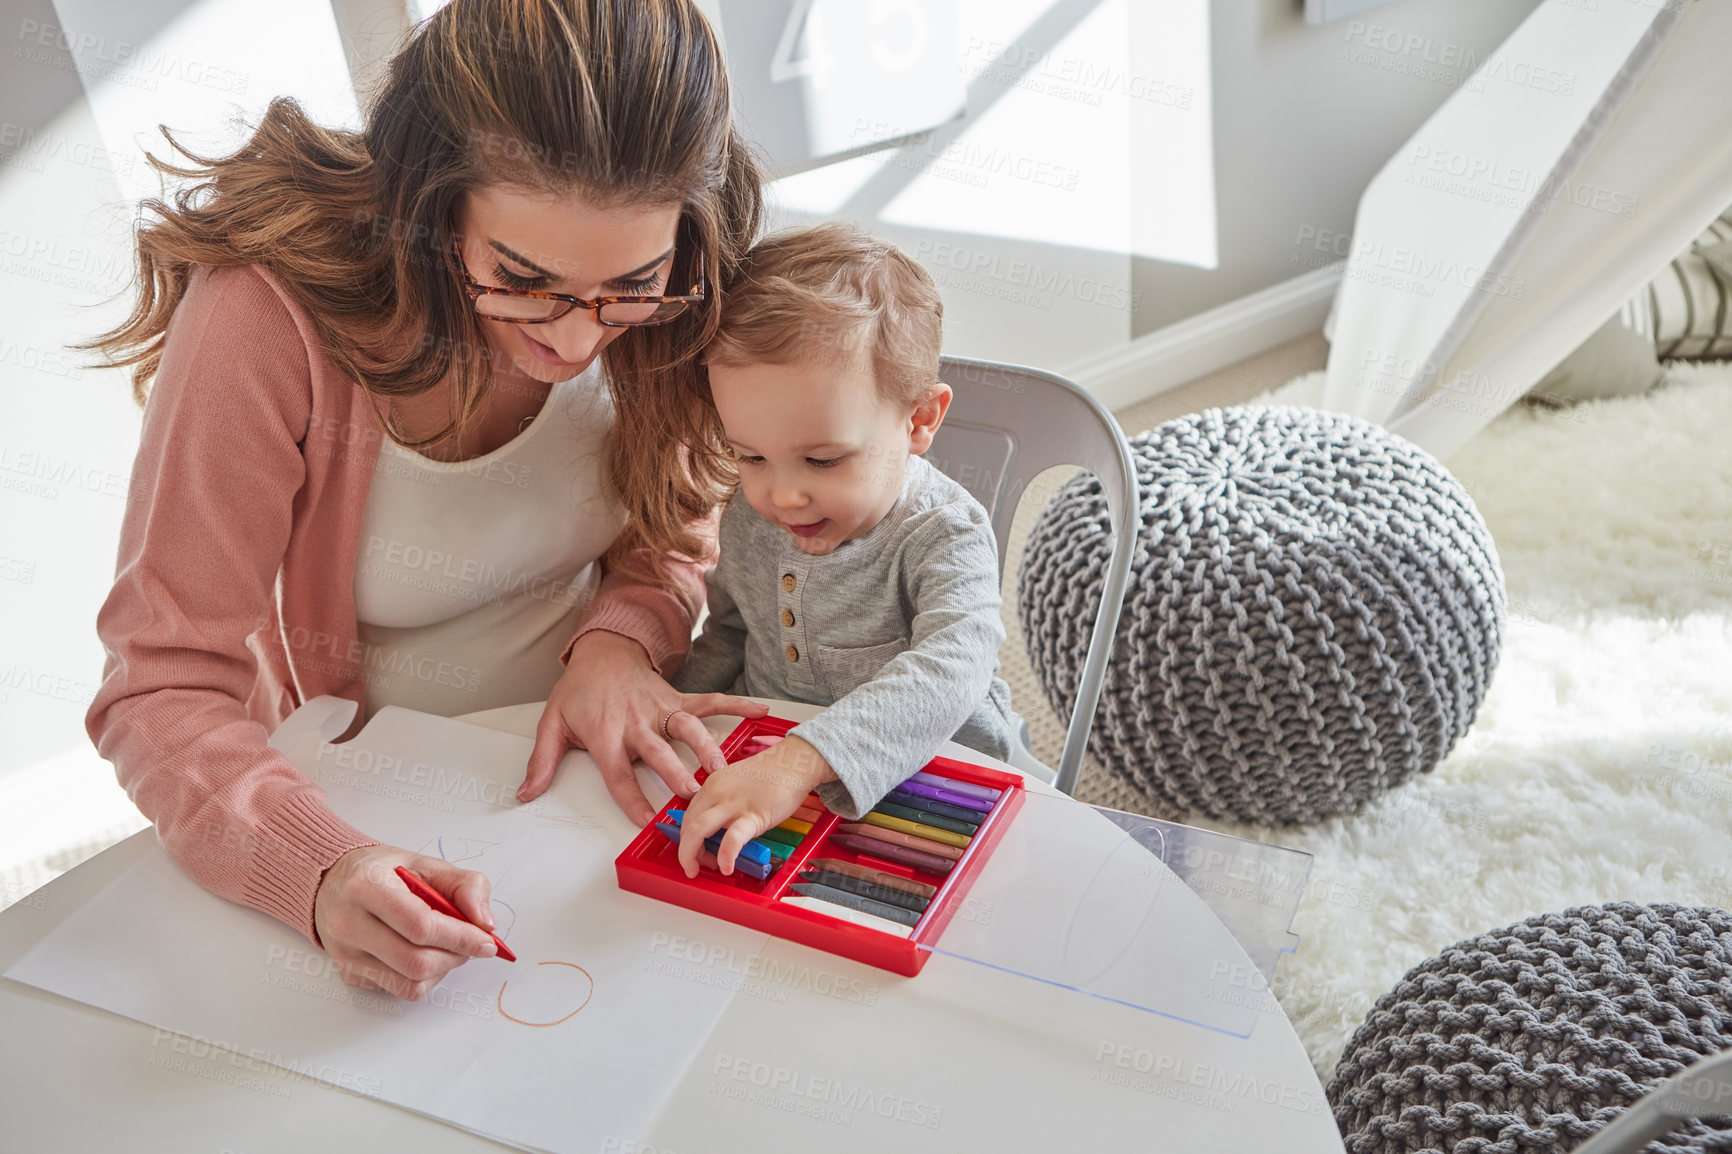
(990, 1061)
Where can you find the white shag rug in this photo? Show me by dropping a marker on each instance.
(1600, 766)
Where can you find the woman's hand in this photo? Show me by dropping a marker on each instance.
(748, 797)
(611, 702)
(383, 937)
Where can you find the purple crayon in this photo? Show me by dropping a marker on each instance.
(966, 801)
(984, 793)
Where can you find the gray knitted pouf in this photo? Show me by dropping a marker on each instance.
(1529, 1039)
(1313, 615)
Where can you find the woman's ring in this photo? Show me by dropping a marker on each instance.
(666, 736)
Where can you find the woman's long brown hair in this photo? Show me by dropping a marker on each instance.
(616, 100)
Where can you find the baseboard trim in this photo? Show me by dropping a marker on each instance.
(1169, 357)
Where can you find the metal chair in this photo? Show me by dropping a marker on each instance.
(1007, 424)
(1702, 1090)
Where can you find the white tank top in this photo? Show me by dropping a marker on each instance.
(471, 575)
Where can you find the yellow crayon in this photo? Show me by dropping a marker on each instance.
(795, 825)
(918, 829)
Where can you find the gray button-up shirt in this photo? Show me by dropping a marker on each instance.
(897, 631)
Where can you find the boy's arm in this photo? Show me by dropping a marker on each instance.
(891, 725)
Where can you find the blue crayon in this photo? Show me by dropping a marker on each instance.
(752, 850)
(713, 844)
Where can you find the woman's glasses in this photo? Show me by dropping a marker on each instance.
(532, 307)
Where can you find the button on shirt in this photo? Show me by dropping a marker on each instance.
(897, 631)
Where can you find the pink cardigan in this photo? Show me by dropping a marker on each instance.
(233, 599)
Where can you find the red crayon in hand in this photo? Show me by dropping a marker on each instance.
(442, 904)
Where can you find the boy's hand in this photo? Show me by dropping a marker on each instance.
(748, 797)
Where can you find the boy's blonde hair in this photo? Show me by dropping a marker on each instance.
(830, 292)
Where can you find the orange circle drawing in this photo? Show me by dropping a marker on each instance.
(499, 1002)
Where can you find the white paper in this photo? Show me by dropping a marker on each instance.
(576, 1044)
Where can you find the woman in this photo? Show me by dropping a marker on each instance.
(366, 351)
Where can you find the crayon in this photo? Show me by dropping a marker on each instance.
(909, 813)
(831, 909)
(985, 793)
(855, 902)
(708, 861)
(442, 904)
(796, 825)
(751, 850)
(963, 800)
(783, 836)
(713, 843)
(897, 837)
(807, 814)
(901, 855)
(835, 865)
(927, 805)
(781, 851)
(865, 889)
(917, 829)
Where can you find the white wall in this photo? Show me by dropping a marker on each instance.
(1301, 118)
(84, 85)
(1197, 152)
(1021, 209)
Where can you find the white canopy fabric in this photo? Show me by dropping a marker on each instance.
(1583, 155)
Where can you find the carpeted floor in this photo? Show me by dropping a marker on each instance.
(1600, 766)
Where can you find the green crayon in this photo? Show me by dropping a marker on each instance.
(934, 820)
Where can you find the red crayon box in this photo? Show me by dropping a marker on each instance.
(650, 866)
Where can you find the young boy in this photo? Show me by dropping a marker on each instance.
(853, 574)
